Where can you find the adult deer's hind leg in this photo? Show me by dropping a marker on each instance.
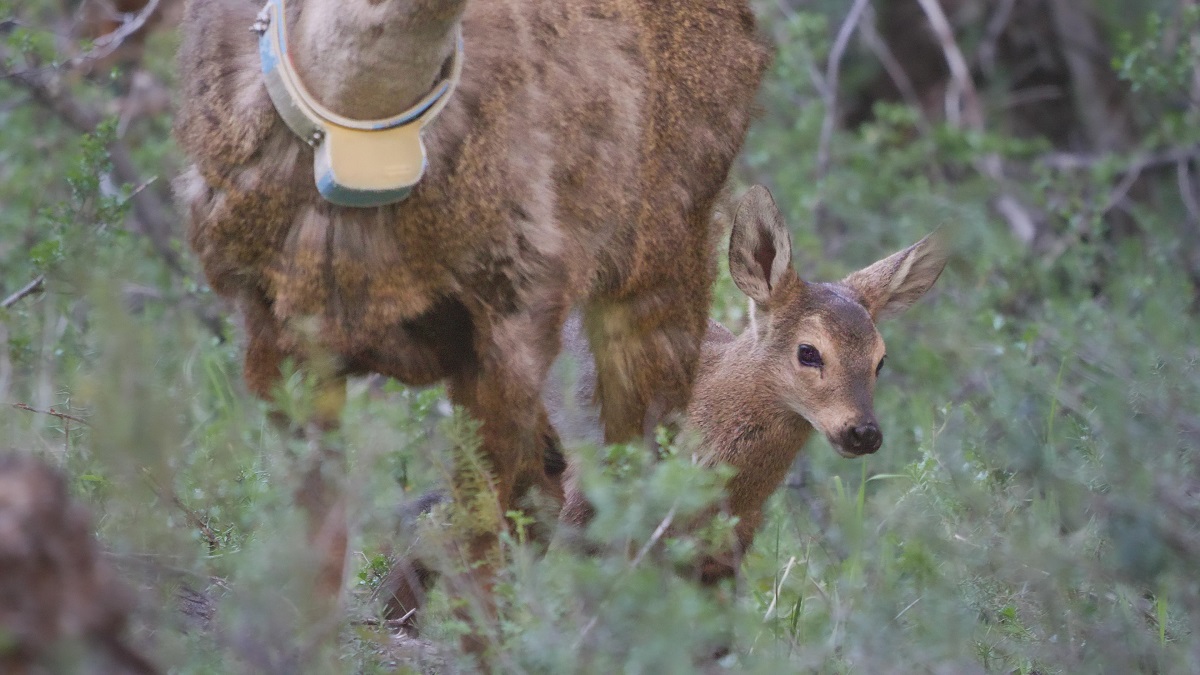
(518, 448)
(645, 340)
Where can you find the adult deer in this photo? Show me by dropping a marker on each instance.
(808, 361)
(575, 165)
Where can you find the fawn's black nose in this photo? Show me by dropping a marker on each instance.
(863, 439)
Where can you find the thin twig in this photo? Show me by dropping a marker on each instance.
(891, 64)
(210, 536)
(832, 69)
(28, 289)
(51, 412)
(1066, 161)
(386, 623)
(654, 538)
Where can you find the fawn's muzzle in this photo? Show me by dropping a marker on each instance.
(863, 439)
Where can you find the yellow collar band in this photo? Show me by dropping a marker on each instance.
(359, 163)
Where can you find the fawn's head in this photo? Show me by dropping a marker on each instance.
(816, 347)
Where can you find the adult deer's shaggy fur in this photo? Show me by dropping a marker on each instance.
(575, 166)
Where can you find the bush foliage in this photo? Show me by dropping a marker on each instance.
(1034, 508)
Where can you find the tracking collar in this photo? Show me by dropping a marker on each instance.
(355, 162)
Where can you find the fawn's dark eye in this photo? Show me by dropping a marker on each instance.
(880, 366)
(809, 356)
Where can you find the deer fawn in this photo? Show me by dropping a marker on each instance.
(575, 165)
(808, 360)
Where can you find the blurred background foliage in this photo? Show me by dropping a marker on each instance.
(1035, 506)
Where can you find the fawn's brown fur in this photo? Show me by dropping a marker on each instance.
(575, 166)
(754, 403)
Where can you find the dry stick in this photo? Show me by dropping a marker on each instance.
(386, 623)
(962, 86)
(210, 536)
(26, 290)
(66, 420)
(969, 111)
(51, 412)
(991, 35)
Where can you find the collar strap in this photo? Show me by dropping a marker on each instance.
(355, 162)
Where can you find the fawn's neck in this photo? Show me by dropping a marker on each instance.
(743, 423)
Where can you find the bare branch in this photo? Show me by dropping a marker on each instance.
(1099, 98)
(210, 537)
(891, 64)
(995, 28)
(51, 412)
(1152, 160)
(963, 108)
(896, 72)
(102, 47)
(962, 86)
(832, 68)
(26, 290)
(1186, 190)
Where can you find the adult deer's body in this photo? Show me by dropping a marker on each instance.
(576, 165)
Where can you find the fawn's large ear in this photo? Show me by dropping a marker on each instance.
(760, 247)
(893, 284)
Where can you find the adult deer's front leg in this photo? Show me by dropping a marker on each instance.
(518, 449)
(320, 473)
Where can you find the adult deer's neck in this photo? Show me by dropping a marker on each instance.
(370, 59)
